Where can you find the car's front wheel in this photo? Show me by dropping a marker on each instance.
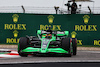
(66, 45)
(23, 42)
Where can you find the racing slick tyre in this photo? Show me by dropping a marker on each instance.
(65, 44)
(23, 42)
(74, 45)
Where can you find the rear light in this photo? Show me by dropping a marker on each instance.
(76, 40)
(70, 40)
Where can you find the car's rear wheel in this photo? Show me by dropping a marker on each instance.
(66, 45)
(74, 44)
(23, 43)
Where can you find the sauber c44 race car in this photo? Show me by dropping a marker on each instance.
(48, 42)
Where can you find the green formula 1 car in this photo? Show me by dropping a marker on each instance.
(48, 42)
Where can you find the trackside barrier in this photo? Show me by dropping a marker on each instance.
(86, 28)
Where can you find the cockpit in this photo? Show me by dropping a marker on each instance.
(49, 36)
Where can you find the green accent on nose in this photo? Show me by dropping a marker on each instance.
(43, 50)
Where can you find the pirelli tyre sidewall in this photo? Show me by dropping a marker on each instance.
(23, 43)
(74, 45)
(65, 43)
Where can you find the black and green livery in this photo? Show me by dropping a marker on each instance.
(48, 42)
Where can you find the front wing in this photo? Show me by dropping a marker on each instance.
(49, 50)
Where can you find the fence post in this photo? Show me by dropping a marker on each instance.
(23, 9)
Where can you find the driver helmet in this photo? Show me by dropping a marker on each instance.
(48, 36)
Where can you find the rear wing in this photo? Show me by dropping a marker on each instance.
(62, 33)
(58, 33)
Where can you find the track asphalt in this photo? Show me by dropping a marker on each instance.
(82, 56)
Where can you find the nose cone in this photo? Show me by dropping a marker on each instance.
(43, 50)
(44, 45)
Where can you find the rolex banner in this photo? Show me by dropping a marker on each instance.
(86, 28)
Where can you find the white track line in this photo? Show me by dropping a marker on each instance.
(49, 61)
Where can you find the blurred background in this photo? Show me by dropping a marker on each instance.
(48, 6)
